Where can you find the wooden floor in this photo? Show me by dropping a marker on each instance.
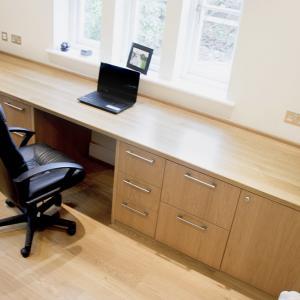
(103, 261)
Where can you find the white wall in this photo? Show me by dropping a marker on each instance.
(265, 73)
(32, 19)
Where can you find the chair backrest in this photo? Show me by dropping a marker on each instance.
(12, 163)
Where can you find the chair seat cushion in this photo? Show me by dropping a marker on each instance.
(41, 154)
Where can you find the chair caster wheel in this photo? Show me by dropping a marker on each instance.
(25, 252)
(71, 230)
(9, 203)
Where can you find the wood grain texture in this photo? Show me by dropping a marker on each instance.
(18, 114)
(216, 205)
(246, 159)
(264, 245)
(139, 168)
(206, 245)
(105, 262)
(146, 200)
(145, 224)
(141, 201)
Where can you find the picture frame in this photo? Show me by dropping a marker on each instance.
(139, 58)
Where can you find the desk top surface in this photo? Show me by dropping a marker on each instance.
(251, 161)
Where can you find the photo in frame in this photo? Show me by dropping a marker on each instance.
(139, 58)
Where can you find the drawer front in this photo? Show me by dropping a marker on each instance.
(141, 164)
(17, 114)
(138, 193)
(192, 236)
(203, 196)
(135, 216)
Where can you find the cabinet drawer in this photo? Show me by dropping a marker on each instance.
(201, 195)
(193, 236)
(17, 114)
(141, 164)
(138, 193)
(136, 216)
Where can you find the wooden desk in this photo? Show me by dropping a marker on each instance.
(246, 160)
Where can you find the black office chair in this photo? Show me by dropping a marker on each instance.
(32, 178)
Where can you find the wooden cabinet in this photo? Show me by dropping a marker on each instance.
(200, 195)
(264, 245)
(18, 114)
(193, 236)
(138, 188)
(249, 237)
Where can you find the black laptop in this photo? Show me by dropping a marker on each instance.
(117, 89)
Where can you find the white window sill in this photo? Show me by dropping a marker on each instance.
(203, 88)
(204, 96)
(74, 54)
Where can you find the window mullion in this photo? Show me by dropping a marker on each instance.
(171, 46)
(107, 30)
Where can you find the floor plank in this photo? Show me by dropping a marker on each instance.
(104, 261)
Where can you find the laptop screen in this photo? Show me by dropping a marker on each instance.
(118, 83)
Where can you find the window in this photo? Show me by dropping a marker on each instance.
(87, 22)
(211, 44)
(193, 40)
(148, 27)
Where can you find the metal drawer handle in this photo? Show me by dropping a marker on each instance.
(141, 213)
(18, 134)
(247, 199)
(209, 185)
(14, 107)
(150, 161)
(201, 227)
(136, 186)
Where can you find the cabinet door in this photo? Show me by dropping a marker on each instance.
(264, 245)
(200, 195)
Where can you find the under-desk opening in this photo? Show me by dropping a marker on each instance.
(93, 196)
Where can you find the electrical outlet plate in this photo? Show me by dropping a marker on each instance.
(292, 118)
(16, 39)
(4, 36)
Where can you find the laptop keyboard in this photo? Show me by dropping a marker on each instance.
(94, 99)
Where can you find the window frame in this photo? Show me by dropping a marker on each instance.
(77, 26)
(132, 32)
(118, 26)
(193, 68)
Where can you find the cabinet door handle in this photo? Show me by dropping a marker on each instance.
(209, 185)
(14, 106)
(136, 186)
(141, 213)
(201, 227)
(150, 161)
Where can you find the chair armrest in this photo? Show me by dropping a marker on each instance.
(27, 134)
(48, 168)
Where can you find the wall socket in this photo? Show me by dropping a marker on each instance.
(4, 36)
(16, 39)
(292, 118)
